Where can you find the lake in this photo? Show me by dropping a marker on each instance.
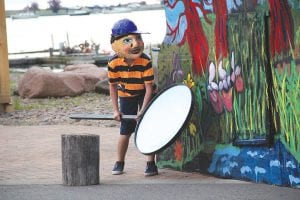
(49, 31)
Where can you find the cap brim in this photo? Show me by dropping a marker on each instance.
(135, 32)
(140, 32)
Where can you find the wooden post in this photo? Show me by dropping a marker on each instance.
(5, 101)
(80, 160)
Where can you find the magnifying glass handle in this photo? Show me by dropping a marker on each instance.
(129, 117)
(95, 116)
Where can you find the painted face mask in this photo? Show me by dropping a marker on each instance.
(129, 47)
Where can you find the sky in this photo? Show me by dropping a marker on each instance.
(20, 4)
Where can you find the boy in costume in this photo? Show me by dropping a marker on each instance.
(131, 78)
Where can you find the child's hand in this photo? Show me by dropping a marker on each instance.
(139, 115)
(117, 115)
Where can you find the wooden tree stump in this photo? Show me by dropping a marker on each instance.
(80, 159)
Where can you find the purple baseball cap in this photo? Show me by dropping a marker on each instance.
(124, 27)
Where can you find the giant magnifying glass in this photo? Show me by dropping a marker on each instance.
(162, 121)
(164, 118)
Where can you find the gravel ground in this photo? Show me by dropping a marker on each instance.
(59, 111)
(56, 111)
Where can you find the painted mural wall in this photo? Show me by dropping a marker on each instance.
(241, 59)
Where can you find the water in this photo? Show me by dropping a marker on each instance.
(44, 32)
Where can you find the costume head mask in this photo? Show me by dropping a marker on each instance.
(126, 40)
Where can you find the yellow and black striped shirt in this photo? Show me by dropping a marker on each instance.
(130, 79)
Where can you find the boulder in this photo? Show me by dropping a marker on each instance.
(90, 69)
(102, 86)
(74, 80)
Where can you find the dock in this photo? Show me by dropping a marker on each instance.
(100, 59)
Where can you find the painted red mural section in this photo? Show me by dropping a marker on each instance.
(281, 36)
(195, 37)
(194, 34)
(220, 10)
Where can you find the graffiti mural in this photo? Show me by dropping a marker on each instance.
(241, 59)
(188, 28)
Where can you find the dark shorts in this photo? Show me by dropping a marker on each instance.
(129, 106)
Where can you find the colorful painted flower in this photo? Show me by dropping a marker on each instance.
(225, 86)
(227, 99)
(177, 73)
(192, 129)
(178, 150)
(239, 83)
(220, 91)
(216, 101)
(189, 81)
(213, 89)
(236, 76)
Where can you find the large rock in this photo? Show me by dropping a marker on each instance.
(102, 86)
(74, 80)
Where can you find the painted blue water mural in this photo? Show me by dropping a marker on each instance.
(259, 164)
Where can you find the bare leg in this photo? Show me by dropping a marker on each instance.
(151, 157)
(122, 146)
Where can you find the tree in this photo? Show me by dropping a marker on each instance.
(34, 7)
(54, 5)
